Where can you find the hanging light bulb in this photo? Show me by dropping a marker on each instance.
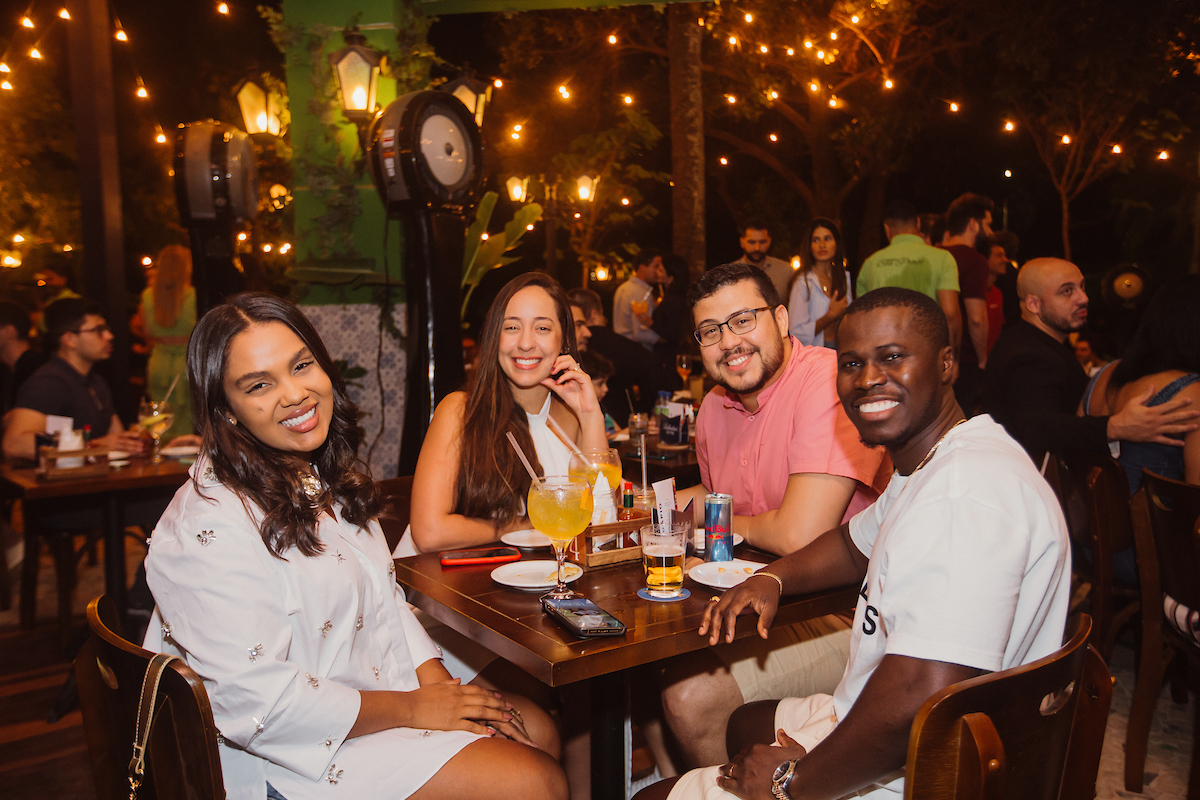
(733, 40)
(773, 138)
(6, 86)
(1116, 149)
(954, 107)
(808, 45)
(1066, 139)
(612, 39)
(266, 248)
(283, 248)
(628, 100)
(64, 14)
(161, 138)
(26, 22)
(223, 8)
(774, 95)
(821, 54)
(35, 53)
(762, 48)
(4, 67)
(517, 128)
(1009, 126)
(854, 19)
(833, 36)
(833, 102)
(624, 201)
(142, 93)
(813, 86)
(724, 161)
(731, 99)
(791, 51)
(121, 35)
(147, 261)
(887, 83)
(498, 83)
(749, 18)
(1163, 155)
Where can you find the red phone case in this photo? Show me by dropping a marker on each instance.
(463, 558)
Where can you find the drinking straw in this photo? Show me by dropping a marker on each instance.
(642, 436)
(513, 441)
(629, 397)
(171, 388)
(563, 435)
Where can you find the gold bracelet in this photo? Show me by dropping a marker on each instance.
(778, 579)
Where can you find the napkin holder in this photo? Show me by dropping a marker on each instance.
(584, 551)
(95, 463)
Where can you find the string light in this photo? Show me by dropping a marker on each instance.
(529, 227)
(612, 39)
(484, 237)
(499, 84)
(1163, 155)
(1009, 126)
(749, 18)
(795, 262)
(223, 8)
(821, 55)
(517, 128)
(701, 21)
(242, 236)
(854, 19)
(147, 261)
(1008, 173)
(624, 201)
(791, 51)
(64, 14)
(954, 107)
(1116, 149)
(142, 93)
(887, 83)
(833, 36)
(284, 248)
(27, 22)
(577, 215)
(516, 135)
(774, 95)
(808, 45)
(562, 90)
(601, 272)
(724, 161)
(1066, 139)
(628, 100)
(833, 101)
(731, 99)
(9, 261)
(161, 138)
(266, 248)
(35, 53)
(773, 138)
(18, 238)
(121, 35)
(6, 86)
(4, 67)
(762, 48)
(813, 86)
(67, 248)
(733, 40)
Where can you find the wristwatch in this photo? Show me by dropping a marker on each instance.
(779, 781)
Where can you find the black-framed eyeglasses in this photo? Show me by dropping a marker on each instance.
(739, 324)
(99, 330)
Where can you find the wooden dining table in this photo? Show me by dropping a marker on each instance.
(512, 625)
(104, 497)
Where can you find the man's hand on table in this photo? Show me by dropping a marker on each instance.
(762, 596)
(749, 775)
(131, 441)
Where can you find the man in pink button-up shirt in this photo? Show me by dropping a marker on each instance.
(775, 436)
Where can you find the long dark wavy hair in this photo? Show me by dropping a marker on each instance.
(259, 474)
(837, 270)
(491, 479)
(1169, 335)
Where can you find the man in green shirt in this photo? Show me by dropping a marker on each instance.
(910, 263)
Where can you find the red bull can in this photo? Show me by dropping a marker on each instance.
(718, 527)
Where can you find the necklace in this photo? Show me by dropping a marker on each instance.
(934, 449)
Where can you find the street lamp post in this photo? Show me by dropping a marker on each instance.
(261, 109)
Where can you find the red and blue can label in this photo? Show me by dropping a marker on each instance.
(718, 527)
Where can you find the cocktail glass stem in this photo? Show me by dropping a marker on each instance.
(561, 592)
(157, 448)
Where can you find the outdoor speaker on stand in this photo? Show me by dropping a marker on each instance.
(425, 153)
(216, 186)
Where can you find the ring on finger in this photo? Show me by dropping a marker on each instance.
(716, 598)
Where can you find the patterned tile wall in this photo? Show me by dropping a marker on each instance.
(351, 332)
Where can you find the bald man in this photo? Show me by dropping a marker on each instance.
(1033, 384)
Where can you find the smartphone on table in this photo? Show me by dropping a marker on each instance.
(479, 555)
(582, 617)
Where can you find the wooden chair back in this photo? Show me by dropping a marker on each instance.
(182, 760)
(1174, 509)
(1033, 732)
(396, 494)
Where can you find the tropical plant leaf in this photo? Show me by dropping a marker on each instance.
(483, 216)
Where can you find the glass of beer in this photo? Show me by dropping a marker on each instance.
(662, 557)
(559, 508)
(591, 464)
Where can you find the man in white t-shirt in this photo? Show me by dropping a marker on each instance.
(963, 562)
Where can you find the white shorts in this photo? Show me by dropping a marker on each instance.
(808, 720)
(797, 660)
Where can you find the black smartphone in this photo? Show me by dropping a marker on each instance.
(481, 555)
(582, 617)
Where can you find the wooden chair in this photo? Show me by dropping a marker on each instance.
(1033, 732)
(182, 760)
(1168, 555)
(397, 501)
(1105, 491)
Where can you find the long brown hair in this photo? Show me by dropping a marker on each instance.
(262, 475)
(491, 479)
(172, 277)
(837, 270)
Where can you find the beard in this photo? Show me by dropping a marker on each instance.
(982, 244)
(772, 362)
(1060, 324)
(756, 257)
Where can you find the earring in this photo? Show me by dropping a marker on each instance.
(232, 419)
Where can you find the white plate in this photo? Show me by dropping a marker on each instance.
(181, 451)
(526, 538)
(724, 574)
(533, 576)
(698, 539)
(117, 455)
